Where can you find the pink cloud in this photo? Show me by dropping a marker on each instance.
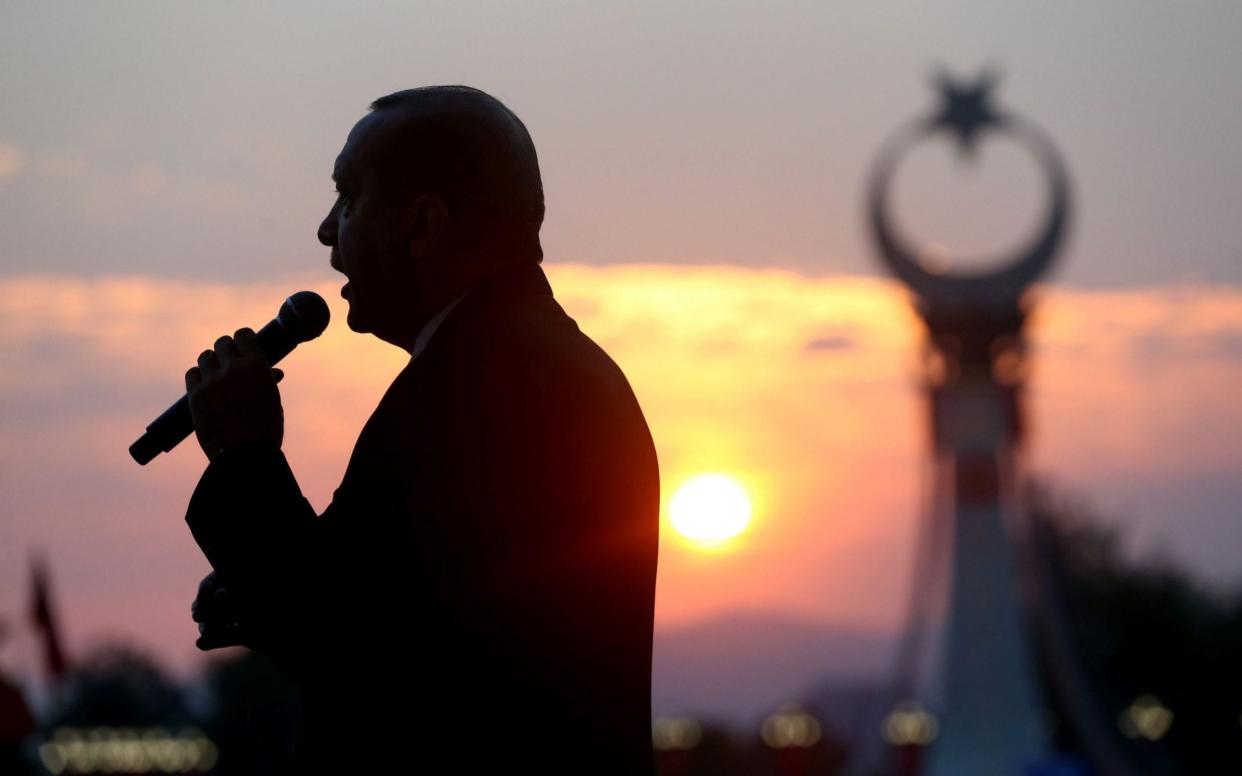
(828, 440)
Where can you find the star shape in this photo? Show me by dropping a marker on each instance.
(966, 109)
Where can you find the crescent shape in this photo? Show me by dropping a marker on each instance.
(957, 289)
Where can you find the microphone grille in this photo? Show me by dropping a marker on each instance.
(304, 315)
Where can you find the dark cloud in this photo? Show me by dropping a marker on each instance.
(831, 342)
(1159, 345)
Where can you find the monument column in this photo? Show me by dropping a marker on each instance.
(990, 716)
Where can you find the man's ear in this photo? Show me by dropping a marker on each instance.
(428, 219)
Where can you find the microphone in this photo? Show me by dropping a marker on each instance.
(302, 317)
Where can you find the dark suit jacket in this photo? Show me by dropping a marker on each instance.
(479, 595)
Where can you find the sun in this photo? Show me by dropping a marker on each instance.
(710, 509)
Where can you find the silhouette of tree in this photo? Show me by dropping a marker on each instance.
(118, 685)
(1143, 627)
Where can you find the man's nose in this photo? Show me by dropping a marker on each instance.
(327, 229)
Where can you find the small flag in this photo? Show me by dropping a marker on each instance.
(43, 615)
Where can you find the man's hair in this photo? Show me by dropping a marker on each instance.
(465, 146)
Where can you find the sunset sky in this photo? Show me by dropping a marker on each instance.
(163, 168)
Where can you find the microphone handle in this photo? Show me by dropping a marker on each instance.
(175, 423)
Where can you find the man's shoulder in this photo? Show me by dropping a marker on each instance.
(542, 349)
(510, 362)
(523, 330)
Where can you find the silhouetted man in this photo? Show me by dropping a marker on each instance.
(478, 597)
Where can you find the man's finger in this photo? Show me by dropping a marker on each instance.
(193, 377)
(217, 636)
(247, 342)
(226, 350)
(214, 608)
(200, 610)
(208, 364)
(278, 374)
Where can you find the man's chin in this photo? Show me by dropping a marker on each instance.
(357, 322)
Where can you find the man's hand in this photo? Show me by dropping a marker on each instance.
(233, 395)
(217, 617)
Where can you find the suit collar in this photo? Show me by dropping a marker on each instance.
(429, 328)
(485, 300)
(503, 286)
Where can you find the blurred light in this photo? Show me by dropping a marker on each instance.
(936, 369)
(127, 750)
(675, 733)
(790, 728)
(710, 508)
(936, 258)
(1009, 367)
(52, 758)
(1146, 718)
(11, 160)
(910, 724)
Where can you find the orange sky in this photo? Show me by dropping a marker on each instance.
(803, 388)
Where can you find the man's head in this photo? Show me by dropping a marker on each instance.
(438, 188)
